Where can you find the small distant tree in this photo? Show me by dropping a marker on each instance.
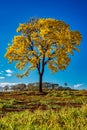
(65, 84)
(42, 42)
(6, 88)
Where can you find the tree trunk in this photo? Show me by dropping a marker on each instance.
(40, 83)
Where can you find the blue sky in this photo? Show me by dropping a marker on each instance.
(73, 12)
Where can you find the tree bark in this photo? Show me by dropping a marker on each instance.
(41, 72)
(40, 83)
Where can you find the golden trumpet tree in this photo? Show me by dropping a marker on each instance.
(41, 42)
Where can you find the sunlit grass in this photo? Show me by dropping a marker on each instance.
(53, 110)
(64, 119)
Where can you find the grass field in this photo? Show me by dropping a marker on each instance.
(51, 110)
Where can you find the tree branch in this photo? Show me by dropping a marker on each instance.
(38, 67)
(47, 61)
(43, 64)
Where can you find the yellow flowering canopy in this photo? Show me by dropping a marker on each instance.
(43, 41)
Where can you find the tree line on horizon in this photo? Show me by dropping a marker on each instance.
(34, 86)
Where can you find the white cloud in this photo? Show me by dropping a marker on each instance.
(7, 83)
(1, 77)
(8, 75)
(77, 85)
(3, 84)
(9, 71)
